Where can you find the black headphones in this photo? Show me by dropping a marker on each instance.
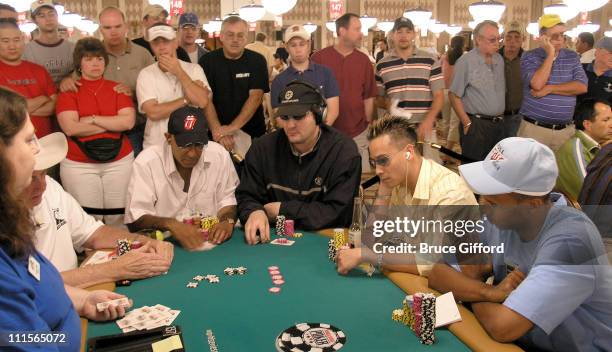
(319, 110)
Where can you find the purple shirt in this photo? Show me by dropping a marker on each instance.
(553, 108)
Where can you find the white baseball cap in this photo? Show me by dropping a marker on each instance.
(163, 31)
(53, 149)
(514, 165)
(296, 31)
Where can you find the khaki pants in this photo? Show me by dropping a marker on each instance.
(554, 139)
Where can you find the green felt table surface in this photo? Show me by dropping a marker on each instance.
(244, 316)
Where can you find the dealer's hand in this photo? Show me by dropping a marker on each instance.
(112, 312)
(348, 259)
(257, 222)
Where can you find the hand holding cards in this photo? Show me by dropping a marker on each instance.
(116, 302)
(147, 318)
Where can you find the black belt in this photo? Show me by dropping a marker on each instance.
(487, 117)
(511, 112)
(547, 125)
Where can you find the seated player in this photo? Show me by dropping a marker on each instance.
(552, 281)
(308, 171)
(406, 179)
(593, 120)
(187, 173)
(62, 227)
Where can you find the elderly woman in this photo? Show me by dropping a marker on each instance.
(99, 162)
(32, 294)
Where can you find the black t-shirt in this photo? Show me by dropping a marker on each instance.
(181, 54)
(600, 87)
(231, 80)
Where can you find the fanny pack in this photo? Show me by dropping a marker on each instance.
(100, 149)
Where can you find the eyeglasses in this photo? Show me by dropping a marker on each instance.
(49, 14)
(296, 118)
(385, 159)
(198, 146)
(558, 36)
(493, 40)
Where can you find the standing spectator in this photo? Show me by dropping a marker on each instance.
(189, 31)
(584, 47)
(355, 76)
(49, 49)
(99, 162)
(281, 51)
(381, 49)
(167, 85)
(279, 66)
(125, 61)
(260, 47)
(478, 91)
(301, 68)
(26, 78)
(151, 15)
(552, 78)
(599, 72)
(7, 11)
(450, 121)
(413, 77)
(594, 127)
(239, 79)
(512, 52)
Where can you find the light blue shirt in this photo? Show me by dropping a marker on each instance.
(567, 293)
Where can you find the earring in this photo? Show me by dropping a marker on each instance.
(408, 155)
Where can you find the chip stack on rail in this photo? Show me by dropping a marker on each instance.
(419, 313)
(280, 226)
(339, 238)
(123, 246)
(428, 319)
(331, 250)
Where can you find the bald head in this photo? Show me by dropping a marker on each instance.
(111, 11)
(113, 27)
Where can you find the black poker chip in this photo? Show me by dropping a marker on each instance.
(305, 337)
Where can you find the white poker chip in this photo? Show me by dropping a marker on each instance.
(311, 337)
(277, 277)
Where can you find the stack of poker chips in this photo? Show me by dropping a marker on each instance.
(280, 226)
(419, 314)
(289, 228)
(241, 270)
(335, 243)
(123, 246)
(207, 222)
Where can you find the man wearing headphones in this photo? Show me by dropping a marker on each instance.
(306, 171)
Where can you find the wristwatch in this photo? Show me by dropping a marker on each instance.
(230, 220)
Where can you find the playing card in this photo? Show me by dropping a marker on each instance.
(206, 246)
(116, 302)
(279, 242)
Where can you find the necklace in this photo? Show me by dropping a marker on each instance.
(95, 93)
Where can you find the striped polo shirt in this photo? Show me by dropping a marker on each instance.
(553, 108)
(410, 81)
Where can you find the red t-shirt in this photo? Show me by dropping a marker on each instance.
(355, 76)
(31, 81)
(95, 98)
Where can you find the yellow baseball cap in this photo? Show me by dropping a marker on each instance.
(549, 21)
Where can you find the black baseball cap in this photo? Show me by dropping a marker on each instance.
(296, 99)
(402, 22)
(188, 126)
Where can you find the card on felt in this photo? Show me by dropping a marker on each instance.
(281, 242)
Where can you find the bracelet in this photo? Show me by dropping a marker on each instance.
(379, 260)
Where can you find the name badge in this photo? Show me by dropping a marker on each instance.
(243, 75)
(34, 268)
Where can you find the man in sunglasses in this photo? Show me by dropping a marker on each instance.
(185, 174)
(306, 171)
(552, 78)
(409, 184)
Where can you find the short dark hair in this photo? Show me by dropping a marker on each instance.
(88, 47)
(344, 21)
(8, 23)
(260, 37)
(234, 20)
(587, 38)
(16, 227)
(7, 8)
(399, 129)
(586, 111)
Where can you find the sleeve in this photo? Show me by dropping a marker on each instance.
(460, 78)
(316, 57)
(226, 190)
(331, 85)
(141, 195)
(259, 73)
(18, 309)
(82, 225)
(147, 58)
(251, 192)
(275, 91)
(370, 89)
(197, 74)
(49, 86)
(123, 101)
(436, 78)
(380, 84)
(66, 101)
(578, 72)
(529, 65)
(145, 88)
(554, 278)
(335, 209)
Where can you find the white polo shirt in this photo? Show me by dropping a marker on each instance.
(61, 226)
(156, 187)
(154, 84)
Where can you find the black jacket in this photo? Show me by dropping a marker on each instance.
(315, 190)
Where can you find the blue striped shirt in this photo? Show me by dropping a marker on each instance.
(553, 108)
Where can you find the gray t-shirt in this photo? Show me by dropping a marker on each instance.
(56, 59)
(481, 87)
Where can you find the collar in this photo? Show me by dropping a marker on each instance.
(393, 53)
(296, 153)
(520, 53)
(49, 45)
(128, 48)
(169, 163)
(421, 190)
(587, 141)
(481, 58)
(311, 67)
(591, 68)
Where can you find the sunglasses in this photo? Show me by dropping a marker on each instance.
(198, 146)
(296, 118)
(384, 159)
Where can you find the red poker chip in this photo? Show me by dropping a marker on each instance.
(277, 277)
(272, 268)
(278, 282)
(274, 289)
(274, 272)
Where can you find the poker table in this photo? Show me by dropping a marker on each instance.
(244, 316)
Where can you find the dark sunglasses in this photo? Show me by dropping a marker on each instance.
(384, 160)
(296, 118)
(199, 146)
